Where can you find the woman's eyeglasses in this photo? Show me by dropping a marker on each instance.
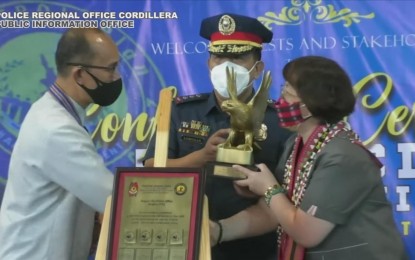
(284, 90)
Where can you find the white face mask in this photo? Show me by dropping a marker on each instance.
(219, 80)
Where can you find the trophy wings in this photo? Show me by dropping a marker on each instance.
(231, 80)
(245, 118)
(260, 101)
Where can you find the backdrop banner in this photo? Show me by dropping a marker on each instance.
(160, 47)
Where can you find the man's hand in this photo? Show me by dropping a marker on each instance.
(208, 152)
(200, 157)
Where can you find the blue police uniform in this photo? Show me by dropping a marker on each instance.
(193, 120)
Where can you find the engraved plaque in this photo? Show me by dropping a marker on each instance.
(156, 214)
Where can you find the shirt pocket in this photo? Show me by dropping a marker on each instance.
(189, 143)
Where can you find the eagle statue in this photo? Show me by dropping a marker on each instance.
(245, 118)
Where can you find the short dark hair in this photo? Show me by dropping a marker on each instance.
(323, 86)
(257, 53)
(74, 47)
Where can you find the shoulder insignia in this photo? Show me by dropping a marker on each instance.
(195, 97)
(271, 103)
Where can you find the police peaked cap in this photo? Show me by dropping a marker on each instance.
(232, 33)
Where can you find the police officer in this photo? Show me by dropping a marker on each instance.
(198, 125)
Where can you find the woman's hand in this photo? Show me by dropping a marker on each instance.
(244, 191)
(214, 231)
(257, 181)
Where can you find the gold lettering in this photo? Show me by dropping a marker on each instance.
(395, 122)
(366, 81)
(109, 128)
(398, 115)
(112, 126)
(377, 77)
(94, 133)
(92, 110)
(405, 225)
(140, 122)
(377, 132)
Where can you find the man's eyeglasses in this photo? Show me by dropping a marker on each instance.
(111, 69)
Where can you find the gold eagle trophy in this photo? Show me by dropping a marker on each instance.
(246, 127)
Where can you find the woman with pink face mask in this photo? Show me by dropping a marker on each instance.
(328, 201)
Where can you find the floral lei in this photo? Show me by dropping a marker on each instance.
(319, 138)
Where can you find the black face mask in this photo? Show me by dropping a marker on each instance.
(105, 93)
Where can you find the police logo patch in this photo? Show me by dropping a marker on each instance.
(226, 25)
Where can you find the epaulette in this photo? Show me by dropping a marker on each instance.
(271, 103)
(189, 98)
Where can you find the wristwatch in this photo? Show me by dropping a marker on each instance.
(271, 191)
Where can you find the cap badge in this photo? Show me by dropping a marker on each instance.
(226, 25)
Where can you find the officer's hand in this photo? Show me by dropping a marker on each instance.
(210, 149)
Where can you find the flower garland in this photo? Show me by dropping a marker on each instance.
(319, 138)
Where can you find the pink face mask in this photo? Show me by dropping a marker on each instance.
(288, 114)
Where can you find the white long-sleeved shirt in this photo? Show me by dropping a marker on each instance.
(56, 182)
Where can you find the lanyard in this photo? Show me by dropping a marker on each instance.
(65, 102)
